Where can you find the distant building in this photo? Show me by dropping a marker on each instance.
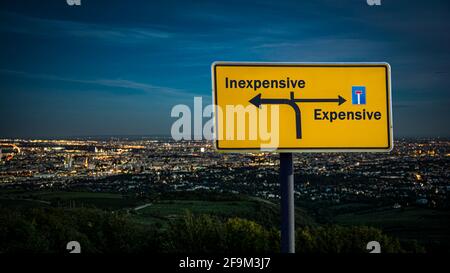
(68, 162)
(8, 151)
(422, 201)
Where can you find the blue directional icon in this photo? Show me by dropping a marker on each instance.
(358, 95)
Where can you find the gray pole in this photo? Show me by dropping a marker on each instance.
(287, 203)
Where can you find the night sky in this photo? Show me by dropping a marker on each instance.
(118, 67)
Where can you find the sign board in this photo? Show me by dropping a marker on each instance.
(302, 107)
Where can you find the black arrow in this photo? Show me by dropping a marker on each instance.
(340, 100)
(257, 101)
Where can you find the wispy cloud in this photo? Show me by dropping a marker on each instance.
(116, 83)
(37, 26)
(323, 49)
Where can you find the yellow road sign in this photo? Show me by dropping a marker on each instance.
(302, 107)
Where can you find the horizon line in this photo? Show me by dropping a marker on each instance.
(159, 136)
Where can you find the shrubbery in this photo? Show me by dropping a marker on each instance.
(338, 239)
(48, 231)
(204, 234)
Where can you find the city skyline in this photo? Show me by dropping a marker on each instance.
(107, 68)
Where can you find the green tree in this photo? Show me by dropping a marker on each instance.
(338, 239)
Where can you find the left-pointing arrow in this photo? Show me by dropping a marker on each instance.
(257, 101)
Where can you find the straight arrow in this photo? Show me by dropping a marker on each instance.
(257, 100)
(340, 100)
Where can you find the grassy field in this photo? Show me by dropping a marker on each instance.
(21, 203)
(165, 210)
(414, 223)
(176, 207)
(65, 199)
(161, 211)
(261, 211)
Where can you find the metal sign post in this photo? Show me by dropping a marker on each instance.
(287, 203)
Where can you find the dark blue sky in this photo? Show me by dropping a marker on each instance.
(117, 67)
